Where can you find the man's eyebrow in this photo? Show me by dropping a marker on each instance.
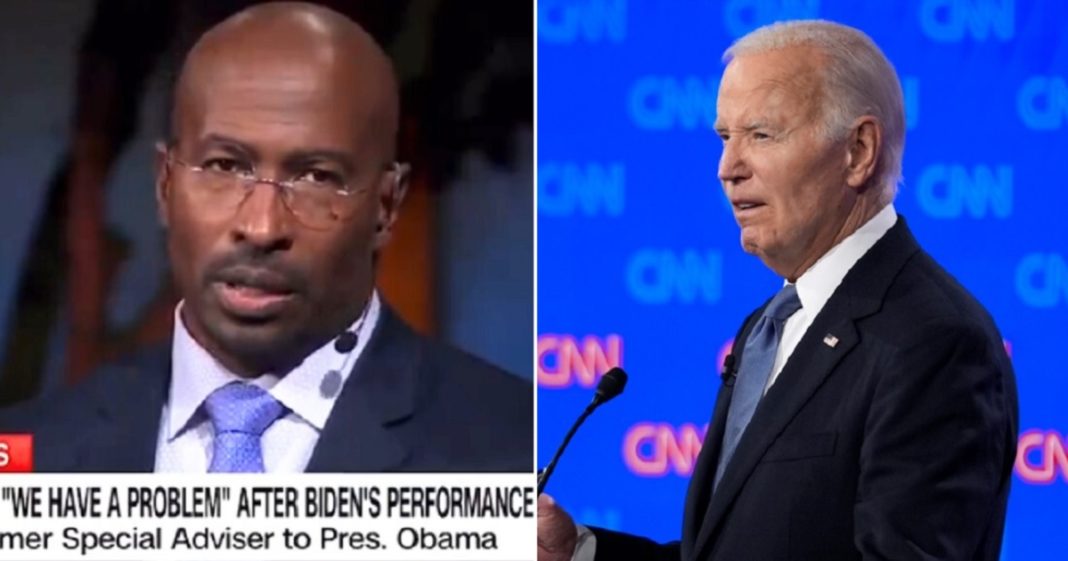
(750, 127)
(338, 157)
(230, 143)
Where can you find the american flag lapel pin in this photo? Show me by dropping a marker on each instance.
(830, 340)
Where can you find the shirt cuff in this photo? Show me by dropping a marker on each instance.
(586, 546)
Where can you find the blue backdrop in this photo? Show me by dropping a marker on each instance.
(638, 256)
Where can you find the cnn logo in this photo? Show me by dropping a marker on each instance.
(16, 453)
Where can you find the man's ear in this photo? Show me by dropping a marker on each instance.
(392, 187)
(865, 143)
(163, 185)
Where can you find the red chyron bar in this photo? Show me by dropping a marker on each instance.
(16, 453)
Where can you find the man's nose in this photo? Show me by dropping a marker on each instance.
(733, 167)
(263, 219)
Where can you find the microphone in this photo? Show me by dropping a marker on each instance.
(345, 342)
(349, 338)
(610, 385)
(730, 370)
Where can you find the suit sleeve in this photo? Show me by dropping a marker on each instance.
(938, 447)
(617, 546)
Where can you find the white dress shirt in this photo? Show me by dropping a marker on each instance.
(308, 392)
(814, 288)
(819, 282)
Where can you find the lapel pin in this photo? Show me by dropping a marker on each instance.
(830, 340)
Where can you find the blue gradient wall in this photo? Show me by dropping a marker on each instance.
(638, 254)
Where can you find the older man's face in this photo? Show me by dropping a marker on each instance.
(785, 179)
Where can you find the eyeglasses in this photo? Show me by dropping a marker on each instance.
(318, 198)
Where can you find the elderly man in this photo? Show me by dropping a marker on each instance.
(872, 411)
(277, 190)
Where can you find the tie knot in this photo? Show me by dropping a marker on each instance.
(784, 304)
(242, 408)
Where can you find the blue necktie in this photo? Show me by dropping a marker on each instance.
(240, 413)
(757, 361)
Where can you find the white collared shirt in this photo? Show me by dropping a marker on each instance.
(816, 285)
(308, 392)
(814, 288)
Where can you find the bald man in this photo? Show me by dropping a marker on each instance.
(277, 189)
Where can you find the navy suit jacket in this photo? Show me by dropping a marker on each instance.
(410, 404)
(896, 442)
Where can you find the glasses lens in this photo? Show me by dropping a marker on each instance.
(215, 190)
(316, 204)
(319, 205)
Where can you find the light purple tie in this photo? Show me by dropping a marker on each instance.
(240, 413)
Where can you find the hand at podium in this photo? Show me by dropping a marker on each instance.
(557, 535)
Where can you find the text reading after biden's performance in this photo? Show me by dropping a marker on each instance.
(387, 517)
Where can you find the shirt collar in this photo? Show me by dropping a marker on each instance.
(819, 282)
(309, 390)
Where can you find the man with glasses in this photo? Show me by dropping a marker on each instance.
(278, 189)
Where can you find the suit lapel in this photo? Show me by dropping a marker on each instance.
(358, 437)
(803, 374)
(697, 495)
(380, 392)
(126, 416)
(860, 294)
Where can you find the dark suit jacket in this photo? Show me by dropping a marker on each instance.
(895, 443)
(410, 404)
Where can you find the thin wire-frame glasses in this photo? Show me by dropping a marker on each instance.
(317, 201)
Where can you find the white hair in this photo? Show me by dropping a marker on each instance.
(857, 80)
